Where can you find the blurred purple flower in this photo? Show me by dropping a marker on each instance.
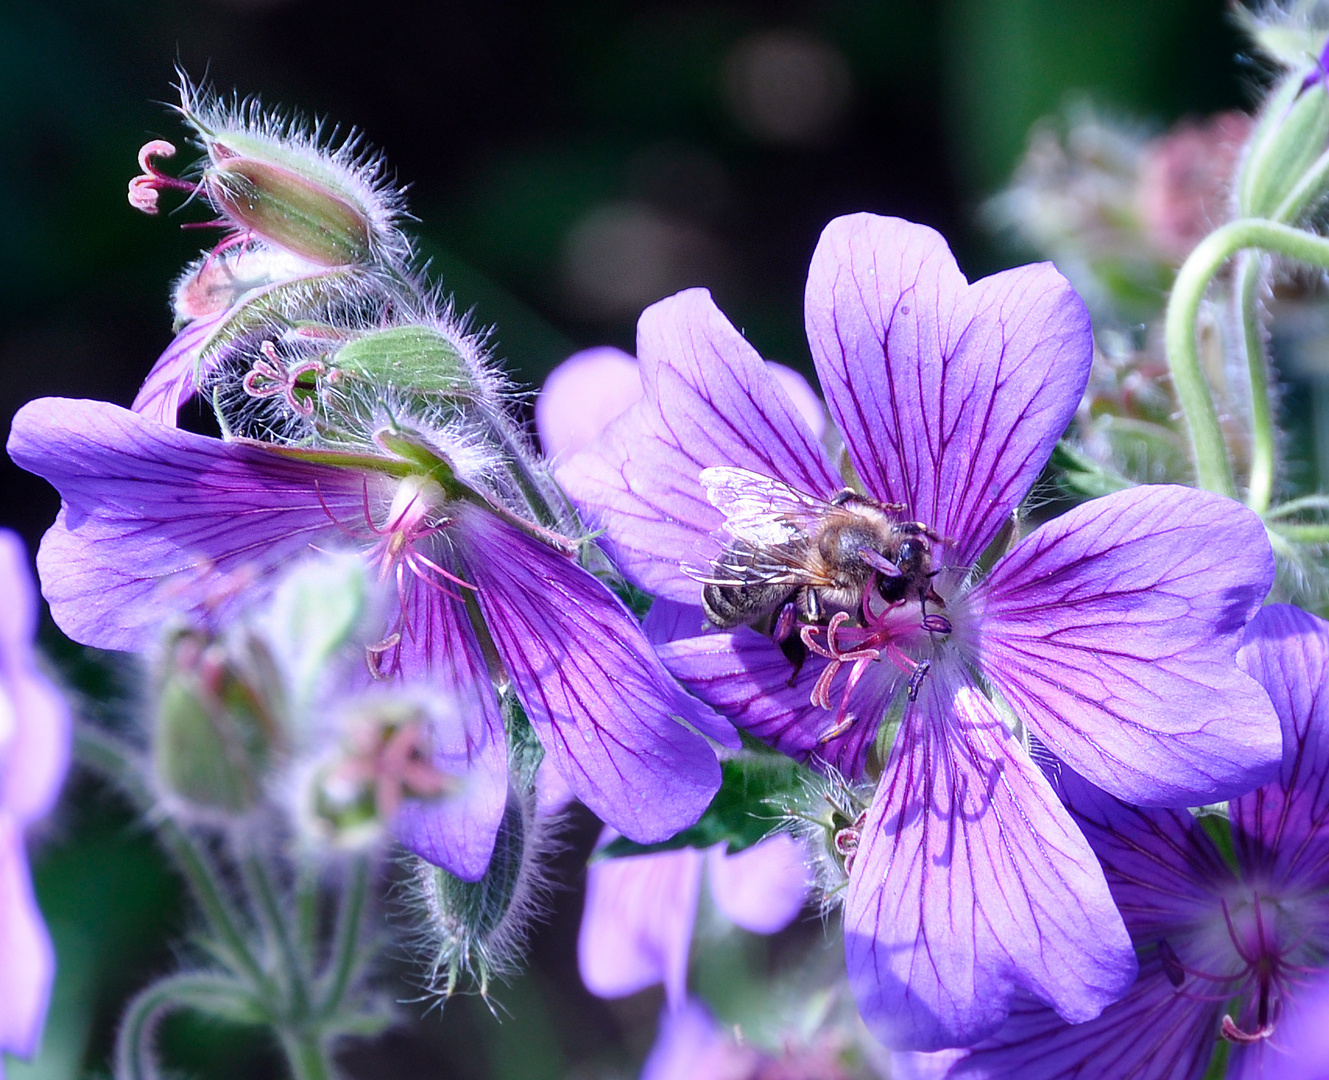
(636, 929)
(589, 389)
(1110, 632)
(691, 1046)
(1224, 949)
(157, 520)
(34, 753)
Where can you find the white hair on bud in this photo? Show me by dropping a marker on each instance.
(346, 163)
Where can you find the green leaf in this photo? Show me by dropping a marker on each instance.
(1079, 474)
(756, 791)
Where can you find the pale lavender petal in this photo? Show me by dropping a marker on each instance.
(35, 723)
(172, 380)
(1281, 831)
(750, 682)
(764, 887)
(1113, 630)
(917, 1065)
(691, 1046)
(950, 396)
(810, 407)
(709, 400)
(553, 794)
(468, 739)
(636, 928)
(157, 520)
(1153, 1033)
(599, 699)
(971, 882)
(27, 960)
(581, 396)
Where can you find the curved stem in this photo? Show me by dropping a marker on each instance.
(1212, 467)
(1302, 534)
(112, 758)
(1260, 489)
(258, 880)
(135, 1056)
(1296, 506)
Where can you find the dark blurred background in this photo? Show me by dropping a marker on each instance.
(570, 161)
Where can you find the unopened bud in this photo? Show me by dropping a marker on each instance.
(416, 359)
(216, 728)
(478, 928)
(290, 211)
(1278, 178)
(272, 180)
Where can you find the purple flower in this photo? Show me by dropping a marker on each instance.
(1109, 633)
(691, 1046)
(590, 388)
(34, 753)
(636, 929)
(157, 520)
(1224, 948)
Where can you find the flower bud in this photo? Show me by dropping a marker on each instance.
(274, 182)
(216, 726)
(1289, 138)
(478, 928)
(417, 359)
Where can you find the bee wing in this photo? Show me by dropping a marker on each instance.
(742, 563)
(759, 510)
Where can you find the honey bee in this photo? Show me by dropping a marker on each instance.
(822, 556)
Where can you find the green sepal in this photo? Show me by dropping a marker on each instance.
(1290, 136)
(1218, 827)
(291, 211)
(413, 359)
(1080, 475)
(756, 792)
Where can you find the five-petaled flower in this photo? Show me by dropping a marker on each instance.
(153, 517)
(1225, 948)
(34, 753)
(1109, 634)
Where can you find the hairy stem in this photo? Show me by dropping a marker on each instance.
(1213, 468)
(1260, 489)
(135, 1053)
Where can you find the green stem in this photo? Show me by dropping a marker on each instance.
(1303, 534)
(307, 1055)
(346, 941)
(258, 880)
(1296, 506)
(1212, 467)
(110, 757)
(1260, 490)
(135, 1055)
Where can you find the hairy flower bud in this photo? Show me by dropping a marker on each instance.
(477, 929)
(1279, 178)
(273, 180)
(217, 723)
(414, 359)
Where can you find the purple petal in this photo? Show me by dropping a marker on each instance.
(1300, 1050)
(599, 699)
(1163, 869)
(27, 960)
(469, 742)
(750, 682)
(971, 881)
(1113, 630)
(709, 400)
(157, 520)
(581, 396)
(950, 396)
(172, 380)
(691, 1046)
(636, 928)
(1280, 830)
(762, 888)
(1154, 1032)
(35, 723)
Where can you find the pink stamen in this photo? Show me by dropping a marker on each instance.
(144, 188)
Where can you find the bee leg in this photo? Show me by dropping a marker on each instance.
(796, 653)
